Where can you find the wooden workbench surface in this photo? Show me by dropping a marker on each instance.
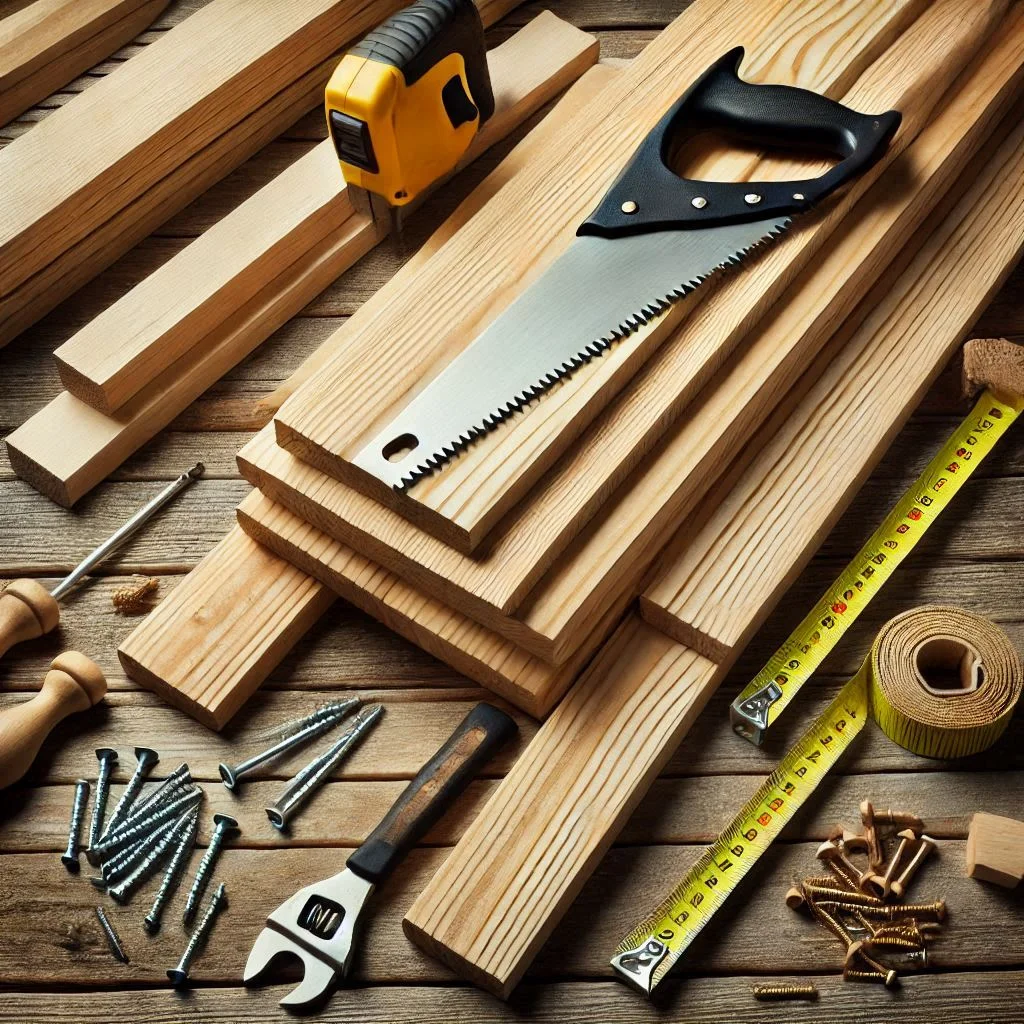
(54, 964)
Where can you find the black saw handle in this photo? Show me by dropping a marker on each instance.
(650, 196)
(433, 791)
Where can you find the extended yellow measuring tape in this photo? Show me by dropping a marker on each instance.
(939, 681)
(768, 694)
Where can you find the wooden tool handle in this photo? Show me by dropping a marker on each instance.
(26, 611)
(433, 790)
(73, 683)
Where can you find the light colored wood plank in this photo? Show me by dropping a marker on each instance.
(478, 653)
(762, 530)
(340, 411)
(625, 534)
(119, 352)
(66, 471)
(46, 45)
(995, 849)
(493, 904)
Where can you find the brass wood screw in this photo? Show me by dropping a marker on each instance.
(784, 990)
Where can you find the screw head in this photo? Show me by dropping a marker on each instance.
(225, 820)
(151, 924)
(71, 863)
(107, 754)
(146, 756)
(178, 977)
(629, 207)
(228, 776)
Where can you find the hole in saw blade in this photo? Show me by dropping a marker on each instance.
(400, 447)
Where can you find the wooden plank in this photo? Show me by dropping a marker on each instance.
(553, 607)
(483, 656)
(215, 639)
(49, 43)
(66, 471)
(491, 907)
(969, 997)
(329, 424)
(764, 528)
(114, 356)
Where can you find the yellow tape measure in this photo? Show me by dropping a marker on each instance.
(765, 698)
(939, 681)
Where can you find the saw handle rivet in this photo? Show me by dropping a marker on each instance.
(799, 196)
(630, 206)
(752, 198)
(698, 202)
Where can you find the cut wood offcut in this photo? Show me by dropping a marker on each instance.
(499, 894)
(68, 447)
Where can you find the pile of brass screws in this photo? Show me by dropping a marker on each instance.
(860, 900)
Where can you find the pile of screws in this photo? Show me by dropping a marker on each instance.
(862, 905)
(139, 835)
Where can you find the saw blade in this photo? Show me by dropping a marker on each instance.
(597, 292)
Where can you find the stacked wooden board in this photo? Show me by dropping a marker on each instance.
(518, 867)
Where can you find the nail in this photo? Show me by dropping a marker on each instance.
(112, 937)
(179, 974)
(223, 823)
(172, 875)
(145, 760)
(124, 888)
(107, 758)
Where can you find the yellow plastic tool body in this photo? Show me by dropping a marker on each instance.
(404, 105)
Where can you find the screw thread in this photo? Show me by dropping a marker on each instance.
(70, 857)
(165, 812)
(180, 777)
(785, 990)
(145, 761)
(217, 903)
(195, 894)
(123, 863)
(123, 889)
(112, 937)
(172, 874)
(107, 762)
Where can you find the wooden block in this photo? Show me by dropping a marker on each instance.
(478, 653)
(766, 519)
(119, 352)
(995, 850)
(92, 444)
(348, 404)
(172, 100)
(612, 553)
(508, 575)
(209, 645)
(519, 865)
(50, 42)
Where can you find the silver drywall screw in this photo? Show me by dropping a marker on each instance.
(315, 774)
(223, 823)
(112, 937)
(123, 862)
(70, 856)
(178, 779)
(172, 874)
(107, 758)
(218, 901)
(146, 759)
(313, 725)
(142, 827)
(124, 888)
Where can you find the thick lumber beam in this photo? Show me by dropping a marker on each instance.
(50, 42)
(223, 629)
(337, 414)
(497, 898)
(68, 447)
(534, 553)
(173, 99)
(476, 652)
(123, 349)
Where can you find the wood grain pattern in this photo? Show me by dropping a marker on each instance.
(119, 352)
(765, 526)
(209, 646)
(484, 656)
(50, 42)
(69, 446)
(461, 504)
(493, 904)
(510, 574)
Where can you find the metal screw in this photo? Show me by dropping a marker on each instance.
(315, 774)
(698, 202)
(928, 911)
(124, 888)
(315, 724)
(887, 977)
(629, 207)
(112, 937)
(785, 990)
(148, 824)
(178, 779)
(857, 950)
(223, 823)
(822, 894)
(891, 940)
(218, 901)
(899, 885)
(123, 862)
(172, 875)
(752, 199)
(70, 856)
(146, 758)
(107, 758)
(836, 860)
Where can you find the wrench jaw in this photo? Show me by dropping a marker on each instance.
(317, 926)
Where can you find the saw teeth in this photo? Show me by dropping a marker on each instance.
(592, 350)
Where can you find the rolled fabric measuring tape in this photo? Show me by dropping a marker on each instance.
(939, 681)
(943, 682)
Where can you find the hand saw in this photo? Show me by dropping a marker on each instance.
(654, 238)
